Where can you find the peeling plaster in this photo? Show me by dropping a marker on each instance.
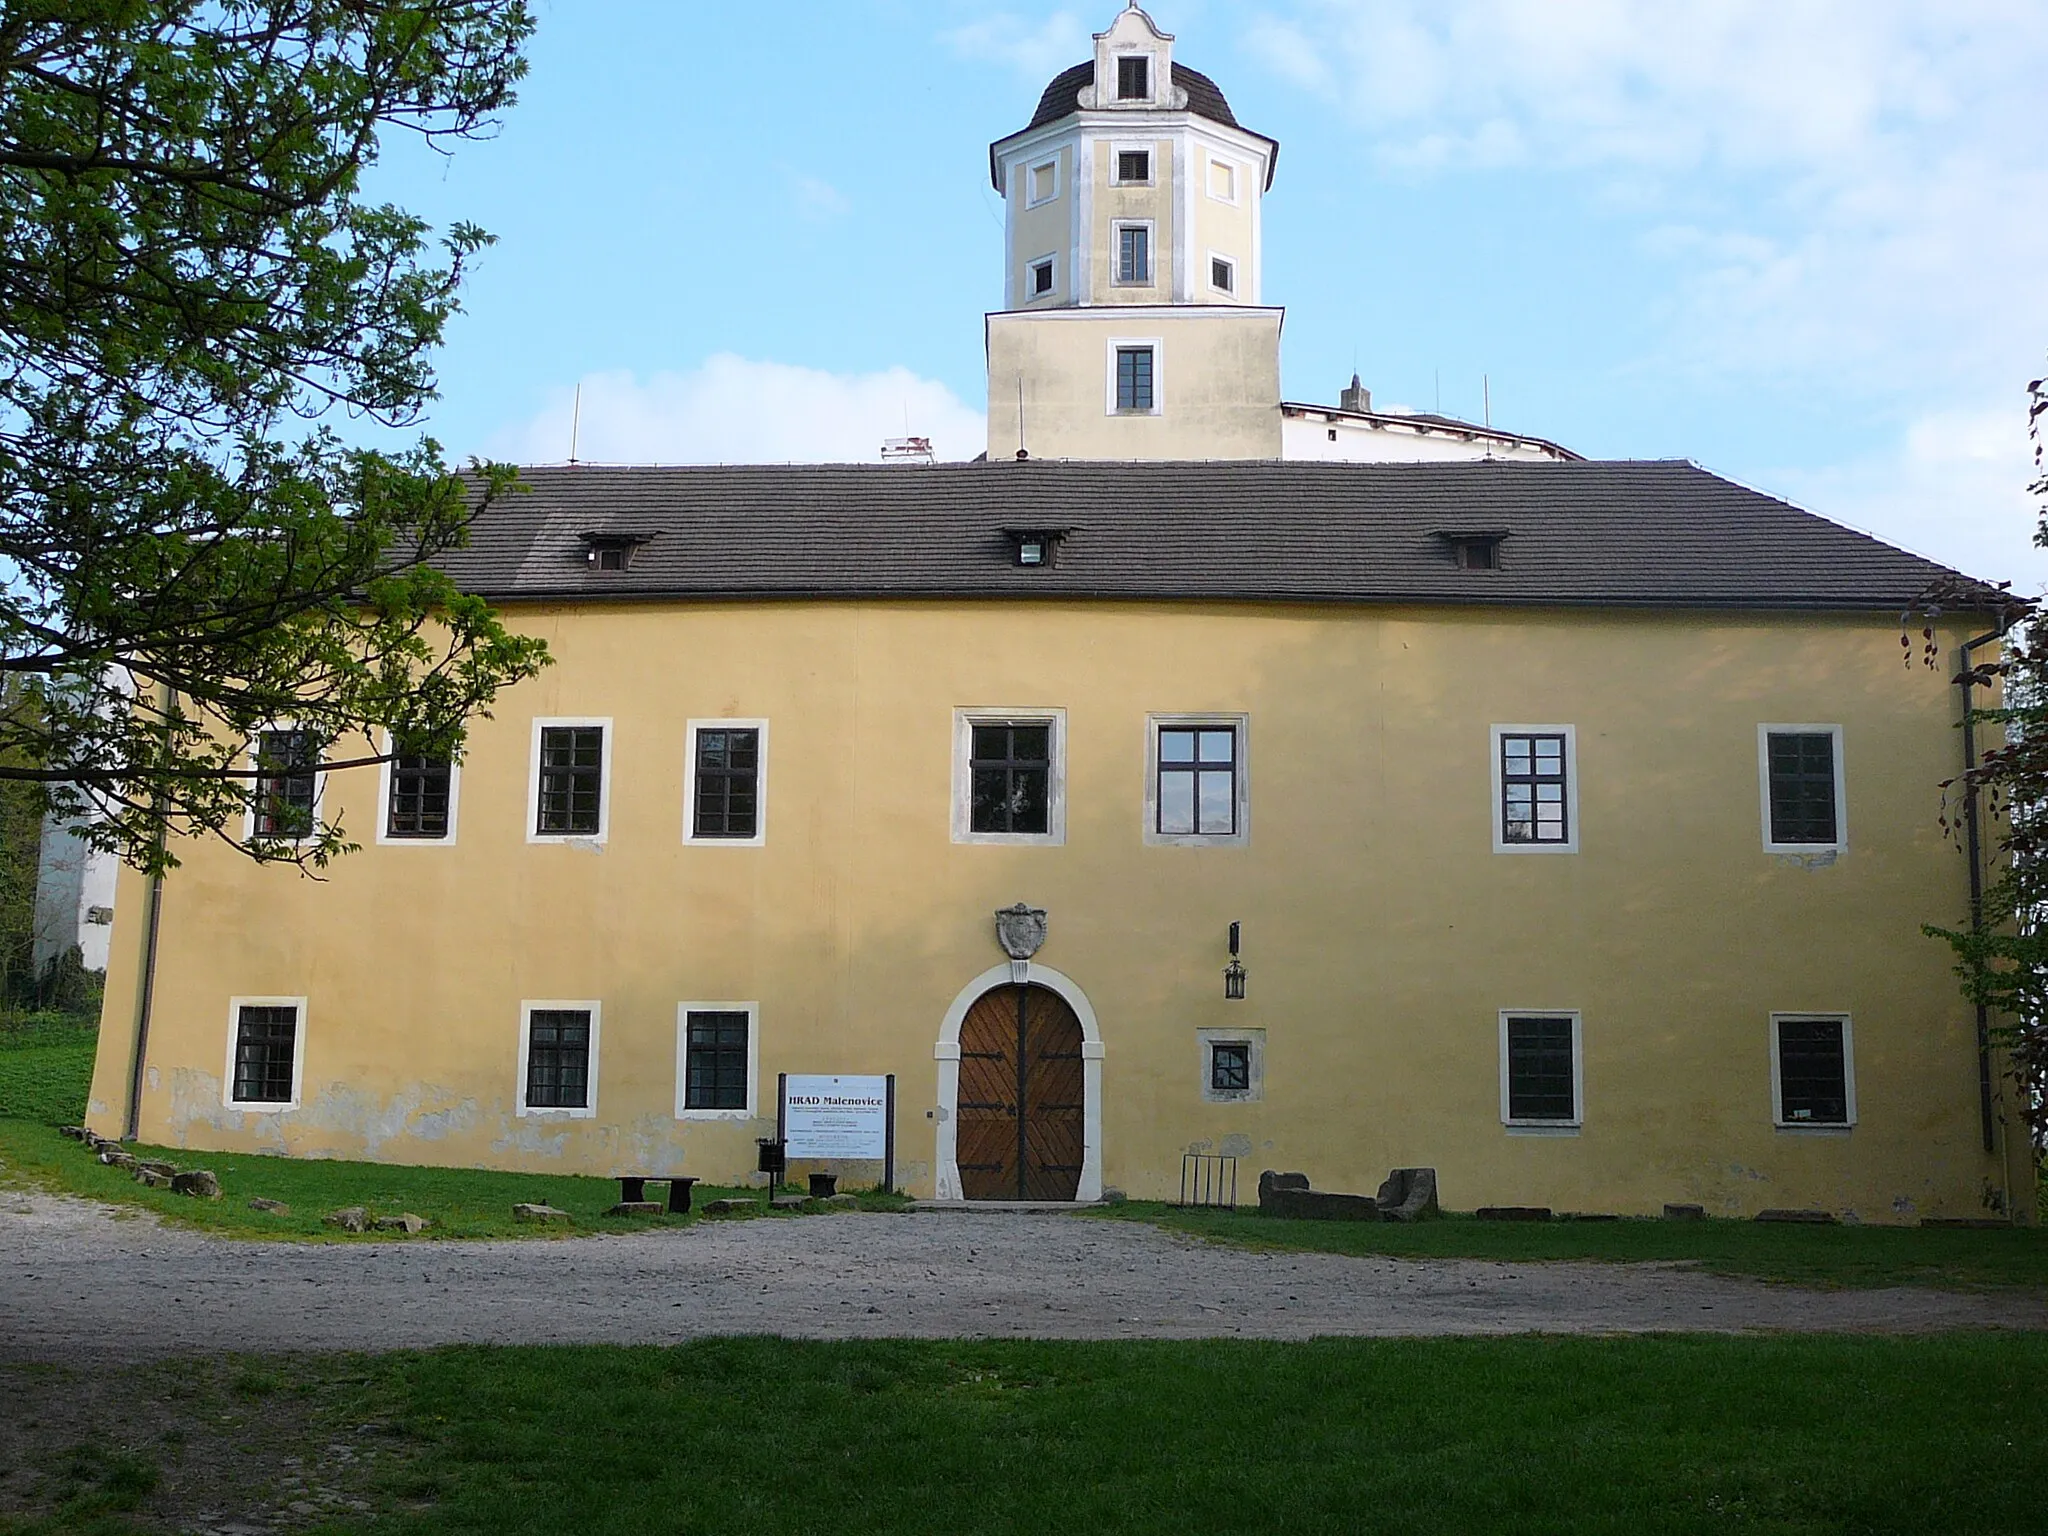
(1235, 1145)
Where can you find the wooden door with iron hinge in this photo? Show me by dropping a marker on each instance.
(1020, 1114)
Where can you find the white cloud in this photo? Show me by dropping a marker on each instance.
(735, 410)
(1035, 52)
(817, 199)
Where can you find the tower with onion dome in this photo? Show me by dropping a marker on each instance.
(1131, 325)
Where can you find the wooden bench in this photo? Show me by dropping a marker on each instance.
(633, 1190)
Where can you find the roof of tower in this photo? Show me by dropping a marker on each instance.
(1205, 99)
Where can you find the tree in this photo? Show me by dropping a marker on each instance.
(191, 285)
(2002, 955)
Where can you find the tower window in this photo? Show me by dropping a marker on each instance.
(1222, 275)
(1133, 253)
(1134, 79)
(1134, 378)
(1044, 184)
(1041, 278)
(1134, 166)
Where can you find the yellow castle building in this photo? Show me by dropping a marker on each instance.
(1199, 774)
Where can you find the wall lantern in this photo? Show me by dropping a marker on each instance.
(1234, 973)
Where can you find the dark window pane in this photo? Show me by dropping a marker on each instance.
(1041, 278)
(420, 794)
(1133, 165)
(1133, 79)
(558, 1059)
(266, 1042)
(1134, 378)
(715, 1071)
(1010, 778)
(728, 783)
(571, 779)
(1813, 1078)
(1802, 772)
(1222, 275)
(286, 783)
(1230, 1067)
(1540, 1070)
(1134, 254)
(1534, 800)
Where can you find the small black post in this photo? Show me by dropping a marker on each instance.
(889, 1139)
(781, 1130)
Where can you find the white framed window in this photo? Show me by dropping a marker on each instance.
(1042, 278)
(725, 783)
(1010, 776)
(418, 797)
(1222, 273)
(1137, 376)
(285, 794)
(1542, 1072)
(266, 1054)
(1041, 181)
(1535, 789)
(1198, 780)
(718, 1055)
(1134, 77)
(1223, 178)
(1130, 253)
(568, 782)
(1801, 783)
(1233, 1065)
(1130, 165)
(1813, 1072)
(558, 1058)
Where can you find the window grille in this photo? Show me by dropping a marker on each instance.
(1813, 1072)
(286, 785)
(421, 788)
(1133, 79)
(1134, 378)
(1802, 775)
(1534, 805)
(1540, 1069)
(1230, 1066)
(1010, 768)
(715, 1071)
(1197, 780)
(728, 783)
(558, 1059)
(266, 1045)
(571, 780)
(1133, 254)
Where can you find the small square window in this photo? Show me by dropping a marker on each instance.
(1133, 166)
(1222, 275)
(1134, 374)
(1223, 181)
(1802, 796)
(1233, 1065)
(1540, 1062)
(1230, 1066)
(1811, 1071)
(265, 1055)
(1044, 183)
(559, 1053)
(1134, 79)
(725, 782)
(1479, 552)
(287, 785)
(1041, 279)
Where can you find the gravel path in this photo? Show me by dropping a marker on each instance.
(75, 1283)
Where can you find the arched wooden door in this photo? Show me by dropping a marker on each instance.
(1022, 1098)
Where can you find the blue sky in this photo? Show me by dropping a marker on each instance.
(1798, 241)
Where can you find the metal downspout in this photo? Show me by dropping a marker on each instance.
(1973, 840)
(146, 993)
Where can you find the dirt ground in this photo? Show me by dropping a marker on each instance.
(78, 1283)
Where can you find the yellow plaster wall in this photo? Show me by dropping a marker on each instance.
(1109, 203)
(1382, 934)
(1225, 229)
(1047, 229)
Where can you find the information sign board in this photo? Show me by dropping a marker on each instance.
(836, 1117)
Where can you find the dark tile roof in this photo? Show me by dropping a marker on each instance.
(1658, 534)
(1205, 99)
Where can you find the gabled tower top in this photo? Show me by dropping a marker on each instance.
(1133, 67)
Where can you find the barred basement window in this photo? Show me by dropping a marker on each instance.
(1812, 1072)
(421, 796)
(728, 783)
(1535, 784)
(558, 1058)
(1540, 1066)
(1800, 783)
(266, 1053)
(1010, 769)
(287, 788)
(570, 802)
(715, 1060)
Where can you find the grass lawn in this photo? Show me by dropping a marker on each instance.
(46, 1068)
(1534, 1435)
(1849, 1256)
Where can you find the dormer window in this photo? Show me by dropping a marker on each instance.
(1035, 547)
(612, 551)
(1474, 551)
(1134, 79)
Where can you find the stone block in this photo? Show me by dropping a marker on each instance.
(270, 1207)
(115, 1158)
(144, 1174)
(544, 1215)
(843, 1202)
(1968, 1223)
(637, 1208)
(1318, 1205)
(791, 1202)
(350, 1218)
(1685, 1212)
(1799, 1218)
(75, 1132)
(166, 1169)
(1590, 1216)
(1270, 1181)
(406, 1222)
(1409, 1195)
(1514, 1213)
(200, 1184)
(729, 1207)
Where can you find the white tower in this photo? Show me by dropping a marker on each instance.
(1132, 327)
